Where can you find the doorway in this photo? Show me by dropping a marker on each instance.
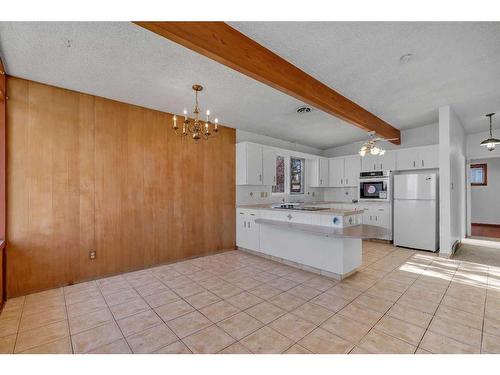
(483, 198)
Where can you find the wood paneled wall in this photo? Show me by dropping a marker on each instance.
(87, 173)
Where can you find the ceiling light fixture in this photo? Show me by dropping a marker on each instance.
(370, 147)
(490, 142)
(197, 128)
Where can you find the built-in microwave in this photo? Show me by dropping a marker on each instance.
(375, 186)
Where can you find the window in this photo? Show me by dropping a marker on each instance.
(479, 174)
(297, 176)
(279, 188)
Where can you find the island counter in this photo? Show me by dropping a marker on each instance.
(327, 241)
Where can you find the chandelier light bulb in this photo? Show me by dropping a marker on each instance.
(490, 146)
(382, 152)
(375, 150)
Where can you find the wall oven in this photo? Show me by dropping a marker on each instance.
(375, 186)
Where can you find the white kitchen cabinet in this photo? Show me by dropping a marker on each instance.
(417, 158)
(268, 167)
(319, 172)
(380, 216)
(344, 171)
(336, 175)
(429, 157)
(255, 164)
(248, 164)
(386, 162)
(247, 231)
(369, 163)
(352, 167)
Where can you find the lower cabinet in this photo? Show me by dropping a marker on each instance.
(380, 216)
(247, 231)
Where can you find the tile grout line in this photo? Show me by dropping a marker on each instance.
(434, 314)
(114, 320)
(19, 325)
(67, 319)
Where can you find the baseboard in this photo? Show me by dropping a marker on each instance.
(486, 225)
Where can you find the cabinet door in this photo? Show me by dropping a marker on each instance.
(254, 164)
(352, 167)
(268, 167)
(406, 159)
(252, 232)
(336, 175)
(323, 172)
(369, 163)
(241, 232)
(387, 162)
(428, 157)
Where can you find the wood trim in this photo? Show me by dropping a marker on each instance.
(486, 225)
(3, 208)
(226, 45)
(484, 166)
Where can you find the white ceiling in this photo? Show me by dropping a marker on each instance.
(454, 64)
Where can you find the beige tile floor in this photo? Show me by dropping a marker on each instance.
(401, 301)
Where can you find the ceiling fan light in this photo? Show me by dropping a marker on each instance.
(362, 152)
(375, 150)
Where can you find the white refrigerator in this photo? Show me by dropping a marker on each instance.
(416, 215)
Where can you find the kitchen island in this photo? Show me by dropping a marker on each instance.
(320, 239)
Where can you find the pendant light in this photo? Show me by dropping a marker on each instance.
(490, 142)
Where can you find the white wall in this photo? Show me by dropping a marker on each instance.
(243, 136)
(452, 156)
(485, 205)
(421, 136)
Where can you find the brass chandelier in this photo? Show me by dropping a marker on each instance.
(195, 127)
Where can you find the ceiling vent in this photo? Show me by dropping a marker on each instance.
(303, 109)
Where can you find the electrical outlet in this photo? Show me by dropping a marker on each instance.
(92, 254)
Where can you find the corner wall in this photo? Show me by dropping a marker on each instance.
(452, 182)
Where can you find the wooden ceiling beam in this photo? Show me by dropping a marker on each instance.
(226, 45)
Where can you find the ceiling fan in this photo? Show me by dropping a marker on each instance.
(370, 146)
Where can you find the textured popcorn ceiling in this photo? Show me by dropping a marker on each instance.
(454, 64)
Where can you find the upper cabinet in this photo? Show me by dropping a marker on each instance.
(344, 171)
(268, 167)
(319, 172)
(255, 165)
(426, 157)
(386, 162)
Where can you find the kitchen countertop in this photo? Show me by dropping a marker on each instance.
(362, 231)
(329, 211)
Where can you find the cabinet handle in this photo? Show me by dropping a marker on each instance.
(346, 181)
(381, 167)
(422, 162)
(370, 217)
(245, 224)
(414, 164)
(320, 181)
(249, 225)
(341, 181)
(374, 166)
(260, 177)
(375, 218)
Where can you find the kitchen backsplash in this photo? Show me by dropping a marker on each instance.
(246, 194)
(340, 194)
